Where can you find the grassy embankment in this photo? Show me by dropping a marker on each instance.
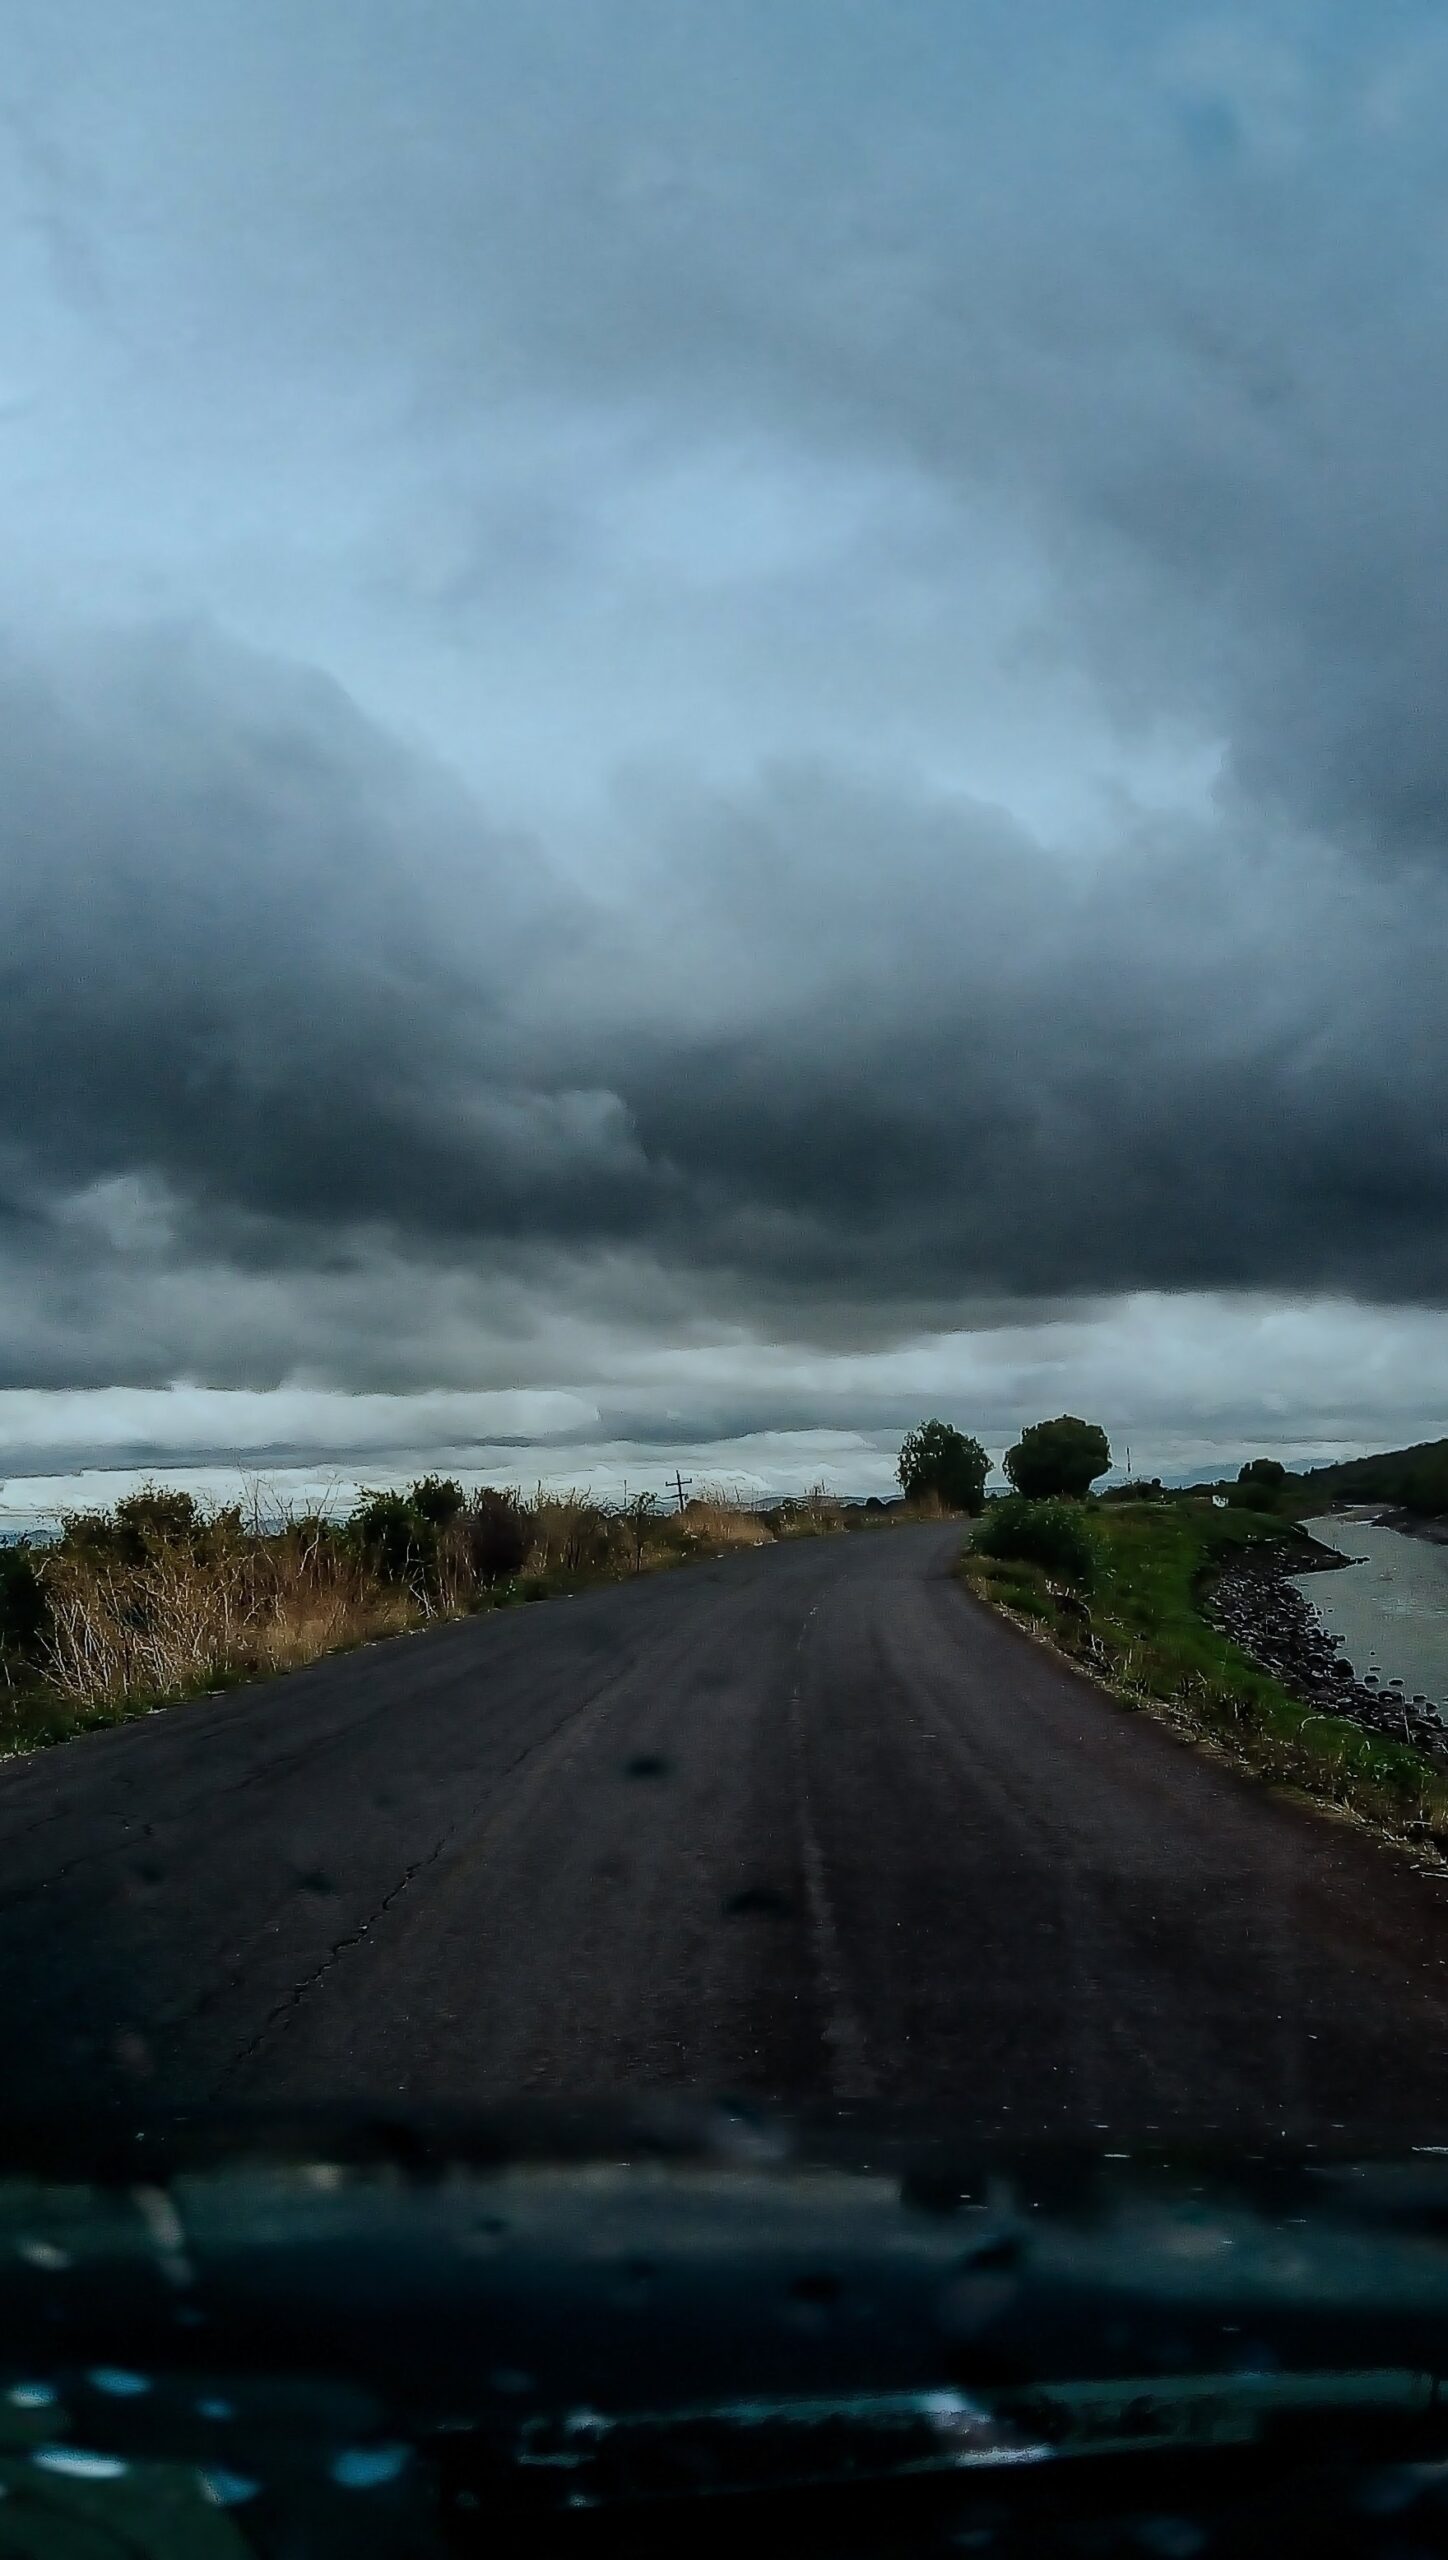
(1129, 1612)
(159, 1601)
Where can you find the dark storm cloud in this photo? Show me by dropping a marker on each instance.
(1134, 320)
(277, 1001)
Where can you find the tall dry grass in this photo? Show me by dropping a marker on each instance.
(160, 1599)
(573, 1535)
(815, 1514)
(712, 1519)
(171, 1621)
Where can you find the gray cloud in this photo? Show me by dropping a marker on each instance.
(1160, 291)
(777, 673)
(834, 1060)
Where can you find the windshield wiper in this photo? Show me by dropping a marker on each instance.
(729, 2447)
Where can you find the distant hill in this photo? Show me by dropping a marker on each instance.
(1412, 1479)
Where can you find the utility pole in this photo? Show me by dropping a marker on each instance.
(681, 1485)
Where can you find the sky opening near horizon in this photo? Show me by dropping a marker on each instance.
(719, 724)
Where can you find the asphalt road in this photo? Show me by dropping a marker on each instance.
(807, 1826)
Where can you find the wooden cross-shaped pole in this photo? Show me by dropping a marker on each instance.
(680, 1485)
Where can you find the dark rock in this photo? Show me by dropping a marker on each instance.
(1261, 1610)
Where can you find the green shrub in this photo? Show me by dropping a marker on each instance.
(499, 1535)
(155, 1517)
(1054, 1535)
(24, 1613)
(392, 1537)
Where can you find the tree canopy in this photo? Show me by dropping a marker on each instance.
(1265, 1471)
(1064, 1456)
(937, 1459)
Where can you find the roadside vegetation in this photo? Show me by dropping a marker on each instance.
(161, 1599)
(1118, 1586)
(1411, 1480)
(1062, 1457)
(940, 1464)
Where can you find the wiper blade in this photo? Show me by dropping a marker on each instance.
(591, 2457)
(725, 2447)
(1182, 2412)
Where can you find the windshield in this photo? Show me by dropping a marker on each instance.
(723, 1393)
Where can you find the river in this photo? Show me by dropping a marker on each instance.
(1390, 1608)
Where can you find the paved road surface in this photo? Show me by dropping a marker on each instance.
(807, 1825)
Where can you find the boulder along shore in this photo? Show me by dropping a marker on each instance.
(1256, 1604)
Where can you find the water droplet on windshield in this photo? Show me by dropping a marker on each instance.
(369, 2466)
(43, 2253)
(77, 2462)
(117, 2382)
(226, 2488)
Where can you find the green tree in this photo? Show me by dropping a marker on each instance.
(1270, 1473)
(937, 1459)
(1064, 1456)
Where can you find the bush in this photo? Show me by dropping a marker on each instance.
(938, 1460)
(1269, 1473)
(1063, 1457)
(498, 1534)
(573, 1535)
(24, 1615)
(392, 1536)
(180, 1619)
(437, 1499)
(146, 1523)
(1053, 1535)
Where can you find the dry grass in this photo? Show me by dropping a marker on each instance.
(573, 1536)
(172, 1622)
(714, 1519)
(815, 1514)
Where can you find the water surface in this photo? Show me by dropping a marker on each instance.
(1391, 1608)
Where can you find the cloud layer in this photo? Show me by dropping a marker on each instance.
(830, 1059)
(772, 679)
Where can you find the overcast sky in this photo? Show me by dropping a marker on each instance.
(719, 723)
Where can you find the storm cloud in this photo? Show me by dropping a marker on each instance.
(716, 677)
(279, 999)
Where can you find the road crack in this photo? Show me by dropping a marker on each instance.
(303, 1990)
